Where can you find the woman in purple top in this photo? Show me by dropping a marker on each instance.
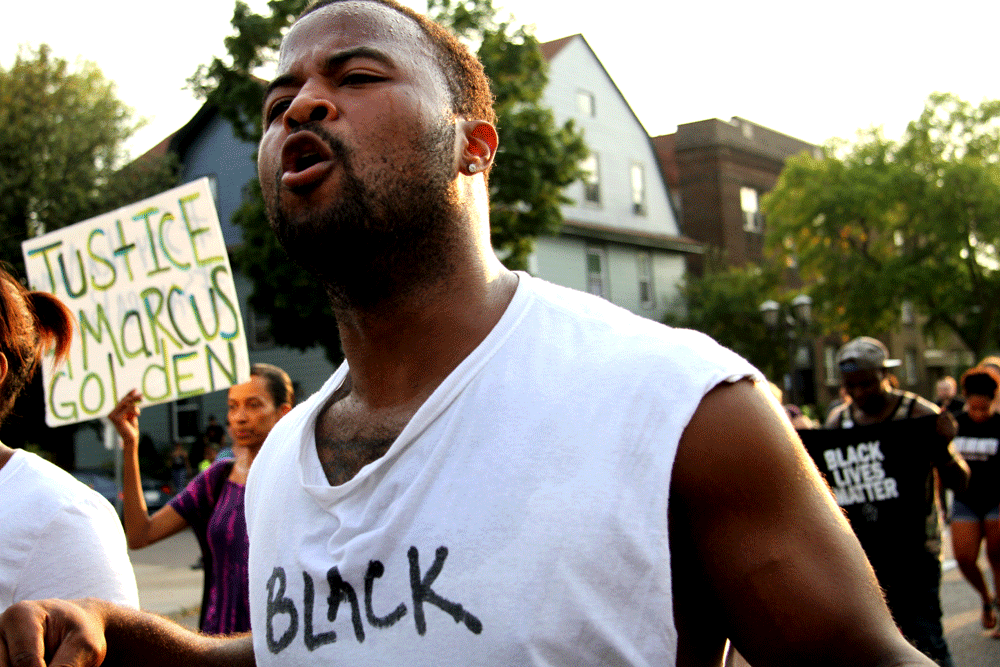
(212, 503)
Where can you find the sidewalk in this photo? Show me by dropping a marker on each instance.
(167, 584)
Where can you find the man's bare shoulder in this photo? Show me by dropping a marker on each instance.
(921, 406)
(833, 419)
(756, 539)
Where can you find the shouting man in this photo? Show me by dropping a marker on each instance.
(503, 472)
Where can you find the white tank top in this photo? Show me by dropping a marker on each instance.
(520, 518)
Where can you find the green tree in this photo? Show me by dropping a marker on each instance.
(63, 132)
(725, 304)
(62, 137)
(877, 223)
(537, 158)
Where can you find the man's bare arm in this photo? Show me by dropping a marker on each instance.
(761, 553)
(953, 471)
(87, 633)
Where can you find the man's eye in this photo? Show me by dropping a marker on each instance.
(277, 109)
(359, 79)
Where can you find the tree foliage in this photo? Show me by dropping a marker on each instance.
(725, 304)
(62, 137)
(877, 223)
(536, 160)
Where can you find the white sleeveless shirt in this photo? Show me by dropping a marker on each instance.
(520, 518)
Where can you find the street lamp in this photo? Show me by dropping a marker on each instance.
(793, 327)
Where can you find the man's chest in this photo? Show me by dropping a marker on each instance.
(349, 437)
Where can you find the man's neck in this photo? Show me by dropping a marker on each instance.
(5, 454)
(400, 352)
(889, 405)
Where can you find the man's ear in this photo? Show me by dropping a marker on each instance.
(480, 146)
(3, 368)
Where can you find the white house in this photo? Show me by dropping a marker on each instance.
(620, 238)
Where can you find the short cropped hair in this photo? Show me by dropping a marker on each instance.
(468, 85)
(278, 384)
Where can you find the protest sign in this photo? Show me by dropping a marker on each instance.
(154, 303)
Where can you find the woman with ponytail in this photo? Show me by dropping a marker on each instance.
(58, 538)
(975, 513)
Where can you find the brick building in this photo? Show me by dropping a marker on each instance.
(718, 171)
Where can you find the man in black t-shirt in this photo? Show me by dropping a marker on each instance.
(881, 468)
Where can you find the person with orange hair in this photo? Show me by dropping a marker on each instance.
(58, 538)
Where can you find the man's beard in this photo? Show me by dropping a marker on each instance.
(382, 242)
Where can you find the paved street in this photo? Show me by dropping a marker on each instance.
(970, 645)
(168, 586)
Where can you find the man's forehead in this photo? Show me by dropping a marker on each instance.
(349, 24)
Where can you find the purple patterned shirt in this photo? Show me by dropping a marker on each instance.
(220, 525)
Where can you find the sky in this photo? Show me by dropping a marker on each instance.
(810, 70)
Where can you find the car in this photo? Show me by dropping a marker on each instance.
(156, 492)
(99, 481)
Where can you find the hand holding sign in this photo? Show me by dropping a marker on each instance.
(125, 418)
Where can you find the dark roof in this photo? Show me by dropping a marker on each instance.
(632, 237)
(550, 49)
(666, 151)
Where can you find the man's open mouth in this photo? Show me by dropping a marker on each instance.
(305, 161)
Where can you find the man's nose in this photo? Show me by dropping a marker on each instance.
(308, 106)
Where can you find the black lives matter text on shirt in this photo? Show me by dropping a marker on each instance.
(317, 630)
(880, 476)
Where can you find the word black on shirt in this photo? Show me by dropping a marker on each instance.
(286, 612)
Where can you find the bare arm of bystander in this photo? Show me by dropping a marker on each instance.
(88, 633)
(141, 529)
(761, 553)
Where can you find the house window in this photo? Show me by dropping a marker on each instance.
(586, 104)
(261, 330)
(910, 366)
(907, 314)
(185, 416)
(638, 177)
(752, 219)
(591, 179)
(645, 271)
(830, 366)
(597, 271)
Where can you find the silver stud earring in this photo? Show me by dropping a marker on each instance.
(473, 168)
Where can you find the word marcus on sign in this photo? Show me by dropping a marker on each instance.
(152, 293)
